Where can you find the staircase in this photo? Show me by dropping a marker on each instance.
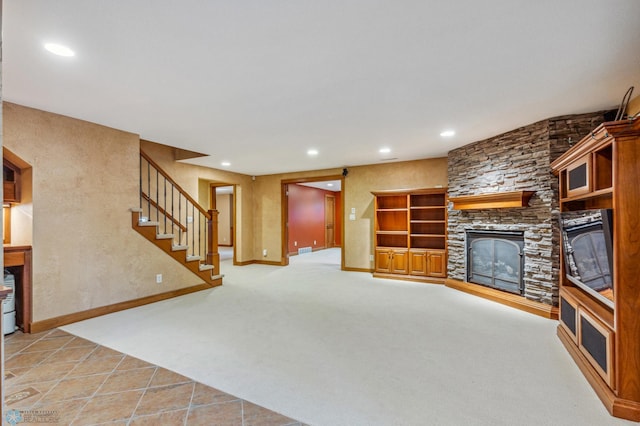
(172, 220)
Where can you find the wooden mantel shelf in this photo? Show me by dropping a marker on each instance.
(496, 200)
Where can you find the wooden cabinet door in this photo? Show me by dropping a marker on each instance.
(400, 261)
(437, 263)
(383, 260)
(418, 262)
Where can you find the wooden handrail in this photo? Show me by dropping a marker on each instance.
(164, 212)
(175, 184)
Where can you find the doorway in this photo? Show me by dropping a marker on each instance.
(329, 220)
(222, 198)
(312, 216)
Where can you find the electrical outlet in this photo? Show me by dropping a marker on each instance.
(158, 278)
(314, 242)
(189, 219)
(371, 257)
(295, 244)
(264, 252)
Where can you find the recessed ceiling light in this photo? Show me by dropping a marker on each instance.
(226, 163)
(312, 152)
(58, 49)
(384, 150)
(447, 133)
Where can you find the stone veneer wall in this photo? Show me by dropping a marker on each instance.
(515, 161)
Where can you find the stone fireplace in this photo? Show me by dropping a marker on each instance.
(495, 259)
(515, 161)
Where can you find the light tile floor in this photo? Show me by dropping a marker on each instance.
(56, 377)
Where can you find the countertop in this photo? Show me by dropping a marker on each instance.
(4, 291)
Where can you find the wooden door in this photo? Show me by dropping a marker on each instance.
(329, 220)
(383, 260)
(437, 263)
(418, 262)
(400, 261)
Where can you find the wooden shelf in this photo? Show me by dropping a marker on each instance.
(593, 194)
(495, 200)
(410, 228)
(604, 313)
(11, 182)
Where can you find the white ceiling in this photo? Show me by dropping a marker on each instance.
(259, 82)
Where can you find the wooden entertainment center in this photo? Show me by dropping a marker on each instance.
(411, 234)
(602, 171)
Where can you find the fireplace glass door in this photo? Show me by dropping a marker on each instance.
(495, 262)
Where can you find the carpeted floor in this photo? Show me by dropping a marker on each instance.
(226, 253)
(329, 347)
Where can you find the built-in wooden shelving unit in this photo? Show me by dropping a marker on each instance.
(411, 234)
(601, 172)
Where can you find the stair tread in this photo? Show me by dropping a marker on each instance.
(148, 223)
(163, 241)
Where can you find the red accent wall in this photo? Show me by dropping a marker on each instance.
(306, 217)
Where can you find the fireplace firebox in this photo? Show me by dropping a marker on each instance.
(495, 259)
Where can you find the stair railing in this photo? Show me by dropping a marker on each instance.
(177, 214)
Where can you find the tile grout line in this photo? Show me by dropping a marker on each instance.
(58, 381)
(99, 386)
(133, 413)
(87, 399)
(193, 392)
(78, 362)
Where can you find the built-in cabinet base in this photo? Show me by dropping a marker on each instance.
(617, 407)
(19, 259)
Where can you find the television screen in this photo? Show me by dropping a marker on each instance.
(586, 240)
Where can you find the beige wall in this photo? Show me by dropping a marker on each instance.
(634, 106)
(225, 220)
(358, 234)
(268, 211)
(84, 180)
(361, 180)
